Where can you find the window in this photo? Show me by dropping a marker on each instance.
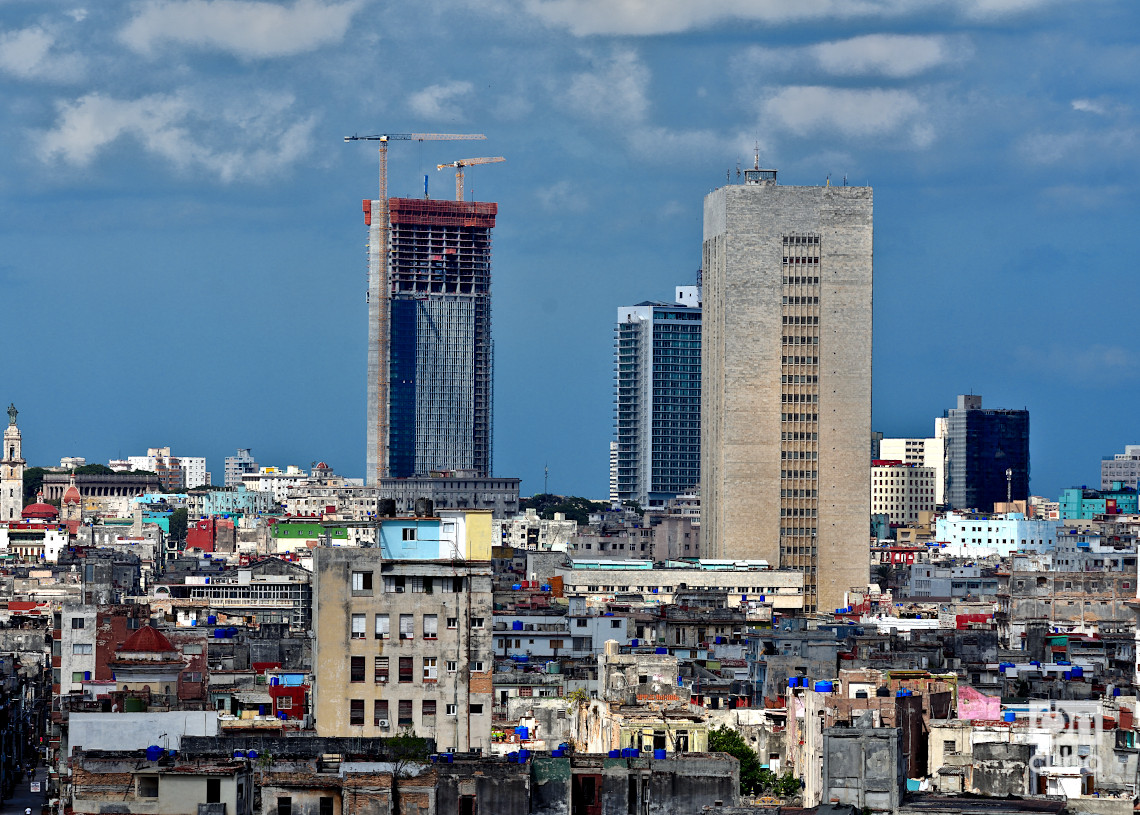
(407, 626)
(326, 805)
(421, 585)
(380, 714)
(191, 650)
(949, 747)
(615, 623)
(356, 712)
(284, 702)
(148, 786)
(452, 710)
(394, 585)
(405, 713)
(476, 623)
(356, 669)
(452, 666)
(427, 713)
(452, 623)
(409, 534)
(406, 669)
(284, 805)
(430, 669)
(477, 710)
(556, 644)
(213, 790)
(358, 626)
(381, 664)
(431, 626)
(76, 623)
(362, 582)
(81, 648)
(477, 666)
(580, 623)
(77, 676)
(381, 626)
(132, 623)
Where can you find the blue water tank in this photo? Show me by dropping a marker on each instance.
(523, 756)
(1078, 672)
(154, 753)
(87, 676)
(661, 651)
(1009, 716)
(517, 625)
(824, 686)
(615, 753)
(252, 754)
(239, 753)
(792, 682)
(274, 681)
(556, 753)
(516, 586)
(211, 619)
(546, 588)
(218, 633)
(659, 754)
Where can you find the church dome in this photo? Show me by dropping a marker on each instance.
(40, 511)
(147, 639)
(72, 496)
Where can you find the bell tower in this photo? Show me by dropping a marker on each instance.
(11, 471)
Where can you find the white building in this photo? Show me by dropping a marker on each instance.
(902, 491)
(275, 480)
(528, 531)
(924, 452)
(978, 535)
(193, 468)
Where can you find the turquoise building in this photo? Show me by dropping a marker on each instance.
(1082, 503)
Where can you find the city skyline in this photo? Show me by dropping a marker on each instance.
(182, 234)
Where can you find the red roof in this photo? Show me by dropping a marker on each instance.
(43, 511)
(147, 639)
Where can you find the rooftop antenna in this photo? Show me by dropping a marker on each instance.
(738, 171)
(756, 165)
(545, 479)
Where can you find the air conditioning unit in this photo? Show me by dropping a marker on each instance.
(383, 723)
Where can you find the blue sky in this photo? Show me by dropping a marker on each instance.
(182, 253)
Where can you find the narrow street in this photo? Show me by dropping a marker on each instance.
(23, 798)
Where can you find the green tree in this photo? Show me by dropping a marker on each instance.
(788, 786)
(726, 740)
(93, 469)
(403, 751)
(178, 523)
(573, 507)
(33, 483)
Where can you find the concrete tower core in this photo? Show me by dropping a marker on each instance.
(786, 380)
(430, 358)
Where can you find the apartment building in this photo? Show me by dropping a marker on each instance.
(402, 645)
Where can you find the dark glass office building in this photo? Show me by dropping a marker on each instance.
(981, 446)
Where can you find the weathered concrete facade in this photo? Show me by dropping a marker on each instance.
(786, 380)
(402, 645)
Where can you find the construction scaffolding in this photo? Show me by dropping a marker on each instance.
(439, 347)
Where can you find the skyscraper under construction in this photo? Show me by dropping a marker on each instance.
(430, 357)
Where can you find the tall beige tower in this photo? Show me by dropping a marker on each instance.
(786, 380)
(11, 471)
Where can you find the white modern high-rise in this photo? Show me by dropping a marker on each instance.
(657, 399)
(786, 380)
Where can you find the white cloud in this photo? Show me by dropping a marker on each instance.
(440, 101)
(850, 112)
(1089, 363)
(1080, 146)
(562, 196)
(615, 90)
(246, 29)
(892, 55)
(641, 17)
(245, 139)
(1089, 106)
(30, 53)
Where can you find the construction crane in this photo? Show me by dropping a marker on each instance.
(467, 162)
(379, 295)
